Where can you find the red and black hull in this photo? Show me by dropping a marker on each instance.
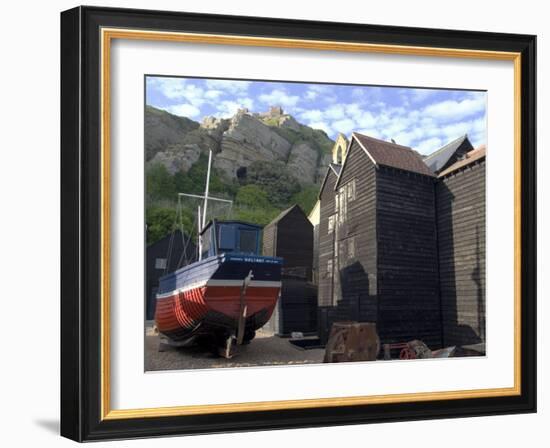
(204, 298)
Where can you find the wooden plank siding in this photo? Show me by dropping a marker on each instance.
(269, 240)
(357, 290)
(326, 240)
(409, 304)
(461, 243)
(290, 236)
(349, 292)
(407, 251)
(294, 242)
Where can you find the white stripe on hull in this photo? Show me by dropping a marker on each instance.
(223, 283)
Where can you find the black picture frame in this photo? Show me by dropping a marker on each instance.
(81, 209)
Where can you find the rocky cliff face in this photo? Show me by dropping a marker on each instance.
(237, 143)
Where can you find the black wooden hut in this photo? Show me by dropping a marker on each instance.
(290, 236)
(377, 244)
(162, 257)
(460, 199)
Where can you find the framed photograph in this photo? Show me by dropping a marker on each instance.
(274, 223)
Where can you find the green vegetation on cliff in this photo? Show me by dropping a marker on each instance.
(259, 189)
(266, 190)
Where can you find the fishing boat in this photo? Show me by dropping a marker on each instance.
(229, 293)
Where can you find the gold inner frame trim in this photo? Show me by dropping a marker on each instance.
(107, 35)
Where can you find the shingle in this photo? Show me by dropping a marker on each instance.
(283, 214)
(438, 159)
(336, 167)
(393, 155)
(470, 157)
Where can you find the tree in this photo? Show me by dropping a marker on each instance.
(258, 216)
(252, 196)
(273, 177)
(306, 198)
(159, 182)
(160, 222)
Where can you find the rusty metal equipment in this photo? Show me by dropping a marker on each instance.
(408, 350)
(352, 341)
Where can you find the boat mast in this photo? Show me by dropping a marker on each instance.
(201, 215)
(199, 225)
(202, 222)
(206, 189)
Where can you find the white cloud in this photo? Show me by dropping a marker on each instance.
(367, 94)
(228, 108)
(409, 136)
(213, 94)
(179, 89)
(430, 145)
(403, 116)
(344, 126)
(371, 132)
(321, 125)
(183, 110)
(279, 97)
(419, 95)
(169, 87)
(233, 87)
(455, 110)
(335, 112)
(311, 94)
(312, 115)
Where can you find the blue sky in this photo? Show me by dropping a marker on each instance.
(424, 119)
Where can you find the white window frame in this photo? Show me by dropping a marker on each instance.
(160, 263)
(330, 266)
(331, 222)
(351, 248)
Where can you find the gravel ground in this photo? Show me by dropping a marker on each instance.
(264, 350)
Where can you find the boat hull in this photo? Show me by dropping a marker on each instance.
(204, 298)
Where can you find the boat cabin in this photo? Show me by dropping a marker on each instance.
(220, 237)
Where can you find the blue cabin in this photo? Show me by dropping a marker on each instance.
(219, 237)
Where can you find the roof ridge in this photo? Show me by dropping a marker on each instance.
(463, 137)
(480, 153)
(392, 155)
(384, 141)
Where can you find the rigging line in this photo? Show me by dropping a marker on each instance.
(182, 230)
(171, 242)
(169, 255)
(186, 243)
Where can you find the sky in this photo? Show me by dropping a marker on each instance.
(424, 119)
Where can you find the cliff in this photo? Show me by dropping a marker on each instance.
(237, 143)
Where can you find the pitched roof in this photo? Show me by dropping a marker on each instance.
(335, 168)
(471, 157)
(438, 159)
(393, 155)
(286, 212)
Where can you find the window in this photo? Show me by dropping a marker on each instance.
(205, 241)
(345, 194)
(351, 248)
(331, 220)
(160, 263)
(342, 193)
(227, 238)
(351, 190)
(247, 241)
(329, 267)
